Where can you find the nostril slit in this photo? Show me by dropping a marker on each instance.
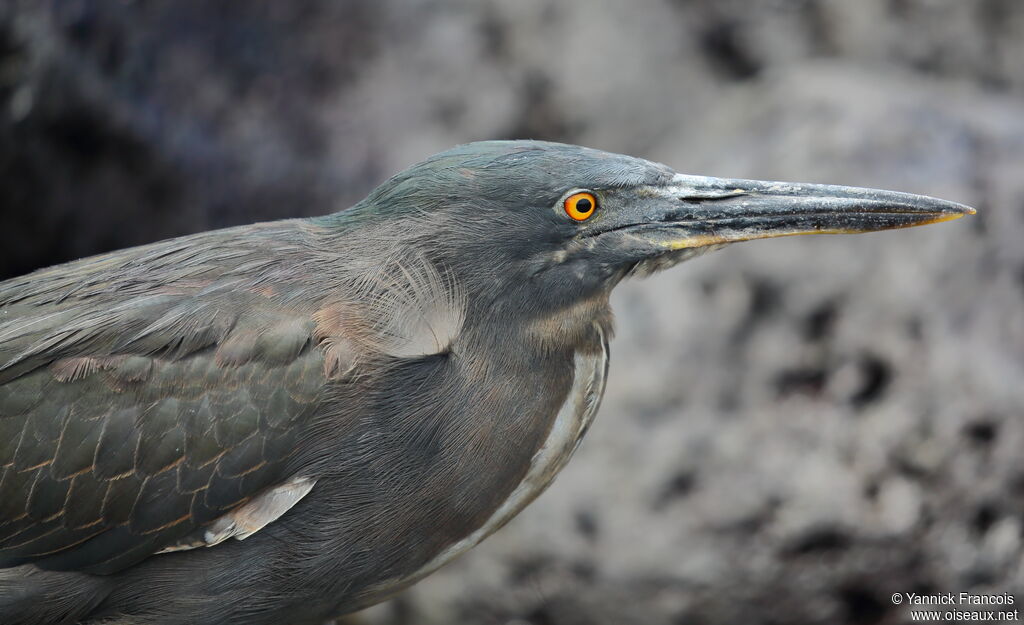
(712, 196)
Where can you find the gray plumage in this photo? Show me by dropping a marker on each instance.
(360, 396)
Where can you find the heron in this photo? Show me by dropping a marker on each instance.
(293, 420)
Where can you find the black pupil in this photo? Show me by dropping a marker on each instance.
(584, 205)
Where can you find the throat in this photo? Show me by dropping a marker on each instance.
(580, 327)
(573, 418)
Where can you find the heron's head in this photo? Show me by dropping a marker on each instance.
(552, 225)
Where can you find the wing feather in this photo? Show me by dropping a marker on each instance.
(148, 393)
(152, 399)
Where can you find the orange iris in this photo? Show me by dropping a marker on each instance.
(580, 206)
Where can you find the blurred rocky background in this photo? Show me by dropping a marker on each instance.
(794, 429)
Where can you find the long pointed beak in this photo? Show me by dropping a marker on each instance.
(698, 211)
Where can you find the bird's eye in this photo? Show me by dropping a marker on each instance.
(580, 206)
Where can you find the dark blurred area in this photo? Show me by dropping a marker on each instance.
(794, 430)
